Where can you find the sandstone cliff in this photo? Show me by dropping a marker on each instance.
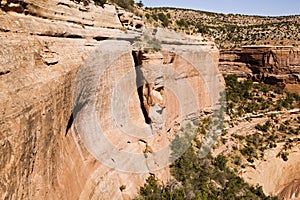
(52, 58)
(88, 110)
(270, 64)
(276, 176)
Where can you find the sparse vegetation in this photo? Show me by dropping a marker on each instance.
(263, 128)
(284, 156)
(229, 30)
(210, 177)
(122, 187)
(127, 4)
(246, 98)
(100, 2)
(196, 178)
(140, 4)
(164, 19)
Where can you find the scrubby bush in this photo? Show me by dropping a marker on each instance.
(122, 187)
(127, 4)
(200, 178)
(284, 156)
(202, 28)
(164, 19)
(154, 16)
(100, 2)
(182, 23)
(147, 15)
(140, 4)
(220, 162)
(263, 128)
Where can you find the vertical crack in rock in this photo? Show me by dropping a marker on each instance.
(140, 82)
(150, 82)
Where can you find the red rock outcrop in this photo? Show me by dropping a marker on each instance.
(44, 46)
(271, 64)
(276, 176)
(84, 13)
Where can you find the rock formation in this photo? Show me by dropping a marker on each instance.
(129, 20)
(278, 65)
(89, 110)
(276, 176)
(62, 65)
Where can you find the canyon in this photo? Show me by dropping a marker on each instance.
(90, 98)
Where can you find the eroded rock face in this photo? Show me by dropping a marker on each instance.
(84, 13)
(291, 191)
(276, 176)
(48, 149)
(270, 64)
(44, 154)
(129, 20)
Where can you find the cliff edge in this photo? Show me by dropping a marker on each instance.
(52, 54)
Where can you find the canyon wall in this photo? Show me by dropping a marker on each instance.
(87, 113)
(39, 62)
(58, 60)
(276, 176)
(271, 64)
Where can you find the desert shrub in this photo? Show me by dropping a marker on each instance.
(154, 44)
(122, 187)
(284, 156)
(237, 160)
(239, 137)
(247, 151)
(164, 19)
(202, 28)
(154, 16)
(272, 145)
(127, 4)
(263, 128)
(278, 90)
(200, 178)
(282, 128)
(182, 23)
(140, 4)
(220, 162)
(250, 160)
(100, 2)
(147, 15)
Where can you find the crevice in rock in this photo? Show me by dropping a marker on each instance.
(74, 36)
(64, 4)
(100, 38)
(14, 6)
(61, 35)
(5, 72)
(79, 23)
(77, 108)
(140, 81)
(4, 30)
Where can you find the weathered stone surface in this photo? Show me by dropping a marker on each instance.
(271, 64)
(129, 20)
(43, 153)
(17, 23)
(277, 176)
(67, 11)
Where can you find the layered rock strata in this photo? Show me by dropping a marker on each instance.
(56, 77)
(271, 64)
